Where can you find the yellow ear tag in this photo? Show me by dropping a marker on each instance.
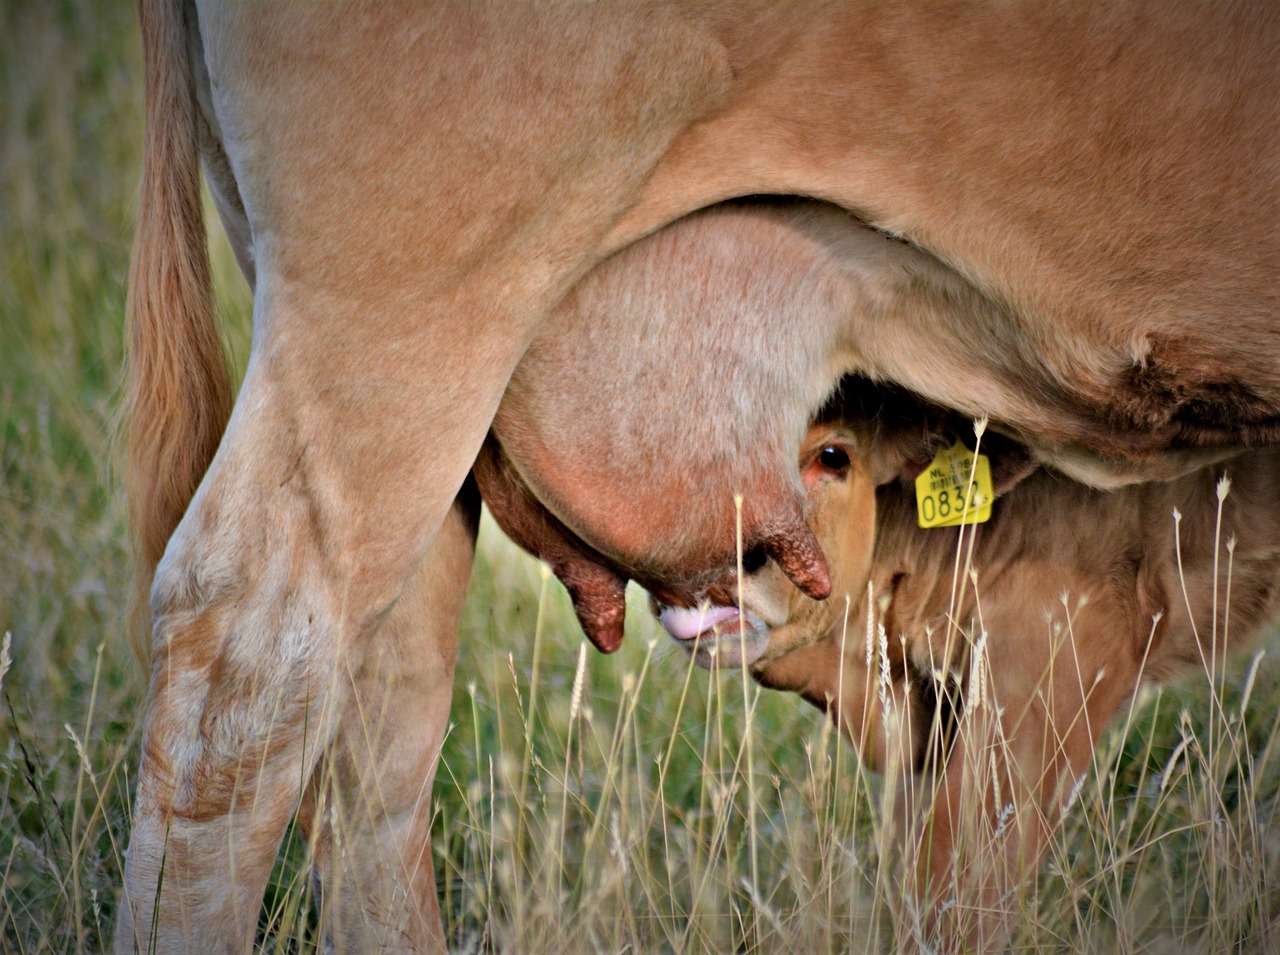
(953, 491)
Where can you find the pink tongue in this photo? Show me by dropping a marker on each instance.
(685, 623)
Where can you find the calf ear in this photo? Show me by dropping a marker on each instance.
(1011, 461)
(902, 432)
(595, 586)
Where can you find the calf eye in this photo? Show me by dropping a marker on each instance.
(834, 459)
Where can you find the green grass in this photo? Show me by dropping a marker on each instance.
(651, 814)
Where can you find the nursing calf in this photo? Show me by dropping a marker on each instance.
(997, 687)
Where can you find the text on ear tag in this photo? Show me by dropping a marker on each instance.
(954, 490)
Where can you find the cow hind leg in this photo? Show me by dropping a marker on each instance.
(244, 692)
(368, 810)
(248, 649)
(316, 513)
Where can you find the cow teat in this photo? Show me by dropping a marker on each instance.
(797, 552)
(765, 614)
(596, 587)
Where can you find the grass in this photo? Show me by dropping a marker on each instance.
(584, 803)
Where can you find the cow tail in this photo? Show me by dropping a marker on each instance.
(178, 392)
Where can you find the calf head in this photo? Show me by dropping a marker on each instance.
(828, 652)
(831, 652)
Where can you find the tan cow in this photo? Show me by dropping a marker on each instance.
(412, 188)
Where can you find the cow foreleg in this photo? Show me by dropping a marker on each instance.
(369, 808)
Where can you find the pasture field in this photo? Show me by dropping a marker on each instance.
(583, 803)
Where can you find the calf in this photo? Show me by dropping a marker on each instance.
(999, 684)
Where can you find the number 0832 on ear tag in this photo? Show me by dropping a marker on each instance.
(952, 490)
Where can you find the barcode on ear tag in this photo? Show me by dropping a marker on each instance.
(954, 489)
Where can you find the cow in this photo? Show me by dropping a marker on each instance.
(411, 189)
